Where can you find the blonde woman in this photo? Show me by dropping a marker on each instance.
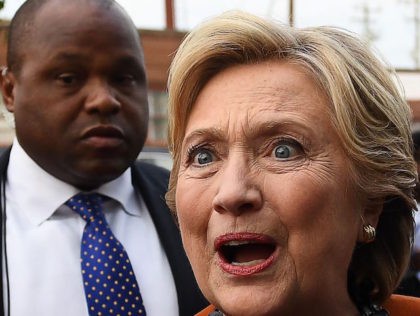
(293, 172)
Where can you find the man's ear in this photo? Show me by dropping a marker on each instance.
(370, 216)
(7, 85)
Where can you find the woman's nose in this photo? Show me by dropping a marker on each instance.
(238, 189)
(101, 99)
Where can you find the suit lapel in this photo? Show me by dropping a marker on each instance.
(152, 185)
(4, 161)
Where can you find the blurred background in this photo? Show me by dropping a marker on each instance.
(392, 28)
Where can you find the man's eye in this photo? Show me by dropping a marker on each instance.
(126, 79)
(67, 79)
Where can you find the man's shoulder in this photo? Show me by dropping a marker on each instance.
(151, 174)
(151, 181)
(150, 169)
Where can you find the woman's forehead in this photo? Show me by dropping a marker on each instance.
(259, 94)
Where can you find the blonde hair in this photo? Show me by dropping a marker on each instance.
(371, 117)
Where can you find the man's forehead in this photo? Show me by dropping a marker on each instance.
(55, 6)
(50, 24)
(65, 18)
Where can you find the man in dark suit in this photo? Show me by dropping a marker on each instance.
(75, 82)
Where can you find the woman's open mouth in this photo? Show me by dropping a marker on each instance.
(245, 253)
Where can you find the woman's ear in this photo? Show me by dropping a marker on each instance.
(369, 221)
(7, 85)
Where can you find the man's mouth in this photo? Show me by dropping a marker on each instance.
(245, 253)
(104, 136)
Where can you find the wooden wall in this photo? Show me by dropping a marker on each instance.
(159, 49)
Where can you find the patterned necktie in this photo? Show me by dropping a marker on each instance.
(110, 284)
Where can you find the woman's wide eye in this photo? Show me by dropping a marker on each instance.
(282, 151)
(286, 150)
(203, 157)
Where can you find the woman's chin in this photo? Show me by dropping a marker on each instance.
(249, 302)
(244, 297)
(259, 293)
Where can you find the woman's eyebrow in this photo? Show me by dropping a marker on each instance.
(207, 133)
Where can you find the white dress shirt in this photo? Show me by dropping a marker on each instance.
(43, 243)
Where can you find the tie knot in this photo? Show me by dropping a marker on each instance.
(88, 206)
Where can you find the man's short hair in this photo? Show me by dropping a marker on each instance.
(21, 27)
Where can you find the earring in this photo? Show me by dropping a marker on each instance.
(369, 233)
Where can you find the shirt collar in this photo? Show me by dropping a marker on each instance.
(40, 201)
(121, 190)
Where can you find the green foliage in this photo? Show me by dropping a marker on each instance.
(2, 4)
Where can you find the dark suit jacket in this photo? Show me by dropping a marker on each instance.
(151, 182)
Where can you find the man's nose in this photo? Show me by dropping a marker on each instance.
(102, 98)
(238, 189)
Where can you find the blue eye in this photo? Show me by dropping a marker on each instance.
(282, 151)
(203, 157)
(287, 149)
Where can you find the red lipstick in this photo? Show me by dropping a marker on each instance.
(245, 253)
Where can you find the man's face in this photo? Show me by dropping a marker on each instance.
(80, 99)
